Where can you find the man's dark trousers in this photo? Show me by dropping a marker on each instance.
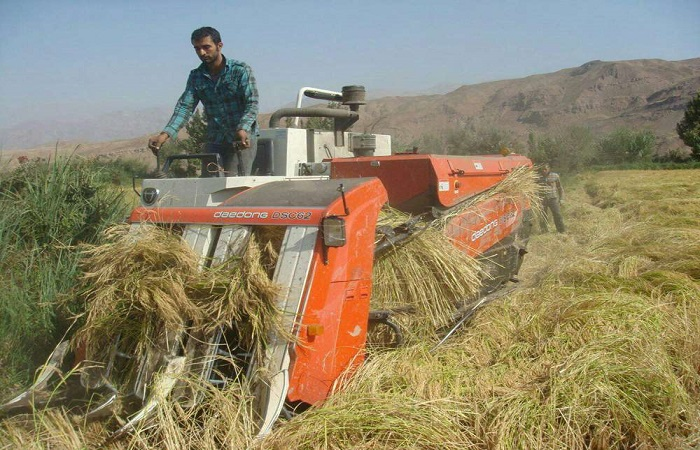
(553, 205)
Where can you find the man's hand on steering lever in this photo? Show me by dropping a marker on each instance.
(242, 135)
(157, 141)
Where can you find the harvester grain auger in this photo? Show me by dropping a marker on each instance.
(324, 192)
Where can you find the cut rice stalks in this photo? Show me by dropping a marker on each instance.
(427, 279)
(149, 278)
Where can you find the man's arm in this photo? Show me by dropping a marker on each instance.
(249, 92)
(560, 189)
(183, 111)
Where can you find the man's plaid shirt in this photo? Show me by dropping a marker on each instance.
(230, 102)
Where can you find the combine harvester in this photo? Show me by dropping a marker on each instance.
(325, 190)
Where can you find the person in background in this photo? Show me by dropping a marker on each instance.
(552, 198)
(227, 90)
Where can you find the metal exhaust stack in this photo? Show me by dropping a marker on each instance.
(352, 96)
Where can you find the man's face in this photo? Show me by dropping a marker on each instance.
(207, 50)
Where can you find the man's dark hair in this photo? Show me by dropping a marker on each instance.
(201, 33)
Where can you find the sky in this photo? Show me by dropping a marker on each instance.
(74, 59)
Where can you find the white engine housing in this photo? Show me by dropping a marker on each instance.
(297, 154)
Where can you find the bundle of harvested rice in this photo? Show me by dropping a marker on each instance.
(428, 278)
(134, 280)
(241, 292)
(149, 277)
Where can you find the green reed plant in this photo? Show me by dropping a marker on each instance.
(46, 208)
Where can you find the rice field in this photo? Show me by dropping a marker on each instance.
(597, 349)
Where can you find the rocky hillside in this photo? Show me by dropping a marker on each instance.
(601, 95)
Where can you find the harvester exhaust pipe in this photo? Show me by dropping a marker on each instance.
(352, 96)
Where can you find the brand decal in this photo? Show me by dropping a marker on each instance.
(506, 220)
(509, 217)
(276, 215)
(241, 215)
(293, 215)
(485, 229)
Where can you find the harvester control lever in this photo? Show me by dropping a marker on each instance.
(341, 189)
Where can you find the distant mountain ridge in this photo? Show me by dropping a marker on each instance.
(639, 94)
(650, 94)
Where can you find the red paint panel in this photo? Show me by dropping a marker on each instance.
(338, 299)
(417, 182)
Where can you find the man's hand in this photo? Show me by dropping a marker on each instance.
(156, 142)
(243, 136)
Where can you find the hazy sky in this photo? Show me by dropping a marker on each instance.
(62, 58)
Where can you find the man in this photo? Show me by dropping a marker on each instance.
(227, 90)
(552, 197)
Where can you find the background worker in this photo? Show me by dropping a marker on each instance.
(227, 90)
(552, 197)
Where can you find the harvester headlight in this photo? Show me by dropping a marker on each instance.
(334, 231)
(149, 195)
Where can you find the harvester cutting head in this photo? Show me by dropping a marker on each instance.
(313, 218)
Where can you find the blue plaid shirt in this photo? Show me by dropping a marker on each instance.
(230, 102)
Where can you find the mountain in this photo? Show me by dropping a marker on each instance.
(639, 94)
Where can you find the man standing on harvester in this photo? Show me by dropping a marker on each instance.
(552, 197)
(227, 90)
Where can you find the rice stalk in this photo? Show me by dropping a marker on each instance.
(51, 429)
(520, 185)
(224, 419)
(352, 420)
(133, 281)
(427, 277)
(150, 276)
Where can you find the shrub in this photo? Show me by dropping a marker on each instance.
(569, 149)
(624, 145)
(470, 139)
